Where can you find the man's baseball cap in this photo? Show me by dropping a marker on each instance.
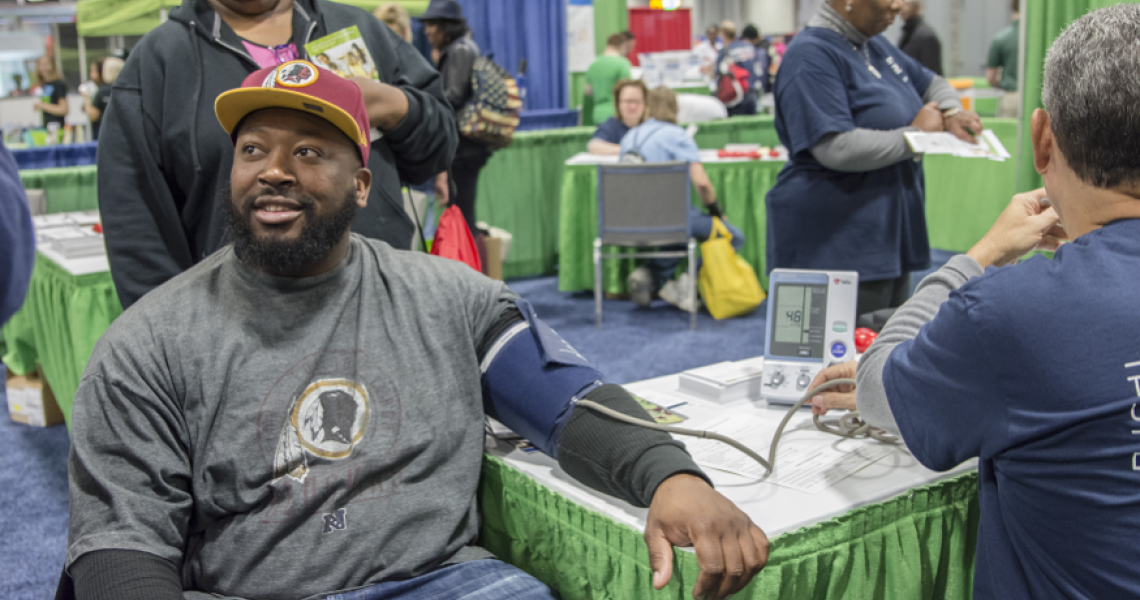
(299, 85)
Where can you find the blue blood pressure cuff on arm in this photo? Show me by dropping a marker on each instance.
(532, 378)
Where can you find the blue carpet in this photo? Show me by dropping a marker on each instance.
(634, 343)
(33, 521)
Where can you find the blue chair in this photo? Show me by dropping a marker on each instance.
(643, 206)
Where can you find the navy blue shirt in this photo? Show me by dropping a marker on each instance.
(17, 238)
(872, 222)
(1035, 369)
(611, 130)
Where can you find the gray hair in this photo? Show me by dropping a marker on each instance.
(1092, 93)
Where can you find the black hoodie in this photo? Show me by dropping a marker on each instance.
(164, 160)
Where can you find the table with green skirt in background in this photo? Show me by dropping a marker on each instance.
(62, 317)
(963, 198)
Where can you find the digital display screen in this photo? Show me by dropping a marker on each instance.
(798, 317)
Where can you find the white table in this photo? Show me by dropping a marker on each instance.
(774, 508)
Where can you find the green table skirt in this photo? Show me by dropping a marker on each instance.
(62, 317)
(963, 198)
(68, 189)
(917, 545)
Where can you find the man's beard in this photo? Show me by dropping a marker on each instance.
(319, 235)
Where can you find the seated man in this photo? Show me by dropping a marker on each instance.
(1035, 368)
(660, 139)
(629, 101)
(301, 413)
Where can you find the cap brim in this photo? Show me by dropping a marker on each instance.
(234, 105)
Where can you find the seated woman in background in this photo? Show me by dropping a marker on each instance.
(657, 140)
(629, 104)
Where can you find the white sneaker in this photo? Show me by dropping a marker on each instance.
(677, 292)
(640, 283)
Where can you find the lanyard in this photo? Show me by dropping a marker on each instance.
(867, 59)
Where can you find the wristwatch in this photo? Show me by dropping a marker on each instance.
(950, 112)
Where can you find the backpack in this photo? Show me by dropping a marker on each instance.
(732, 85)
(492, 113)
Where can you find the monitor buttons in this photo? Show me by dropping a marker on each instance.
(838, 349)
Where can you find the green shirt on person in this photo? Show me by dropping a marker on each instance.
(604, 72)
(1003, 55)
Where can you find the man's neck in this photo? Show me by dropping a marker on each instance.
(1098, 207)
(612, 51)
(272, 28)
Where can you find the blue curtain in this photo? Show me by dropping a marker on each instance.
(513, 30)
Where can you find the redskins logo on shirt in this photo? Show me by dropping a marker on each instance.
(326, 421)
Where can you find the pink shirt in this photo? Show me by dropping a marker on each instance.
(273, 56)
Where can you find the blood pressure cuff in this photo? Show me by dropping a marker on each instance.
(532, 378)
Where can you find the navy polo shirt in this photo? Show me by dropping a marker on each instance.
(872, 222)
(611, 130)
(1035, 370)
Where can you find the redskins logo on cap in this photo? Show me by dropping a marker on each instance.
(296, 74)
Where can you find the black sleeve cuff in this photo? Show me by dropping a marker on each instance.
(411, 119)
(617, 458)
(660, 463)
(125, 575)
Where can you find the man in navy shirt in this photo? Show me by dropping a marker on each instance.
(17, 239)
(1035, 368)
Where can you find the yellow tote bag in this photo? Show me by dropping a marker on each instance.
(729, 286)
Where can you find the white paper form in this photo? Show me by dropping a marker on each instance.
(942, 142)
(806, 461)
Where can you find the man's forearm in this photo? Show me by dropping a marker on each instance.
(616, 458)
(870, 395)
(602, 147)
(386, 105)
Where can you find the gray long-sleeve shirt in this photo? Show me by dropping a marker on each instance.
(870, 395)
(861, 150)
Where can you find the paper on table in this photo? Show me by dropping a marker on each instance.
(814, 465)
(810, 462)
(941, 142)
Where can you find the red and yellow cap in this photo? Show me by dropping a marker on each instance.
(299, 85)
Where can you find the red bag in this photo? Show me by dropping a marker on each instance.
(732, 86)
(453, 239)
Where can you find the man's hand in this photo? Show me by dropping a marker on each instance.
(1028, 223)
(961, 124)
(929, 118)
(386, 105)
(37, 105)
(842, 396)
(687, 512)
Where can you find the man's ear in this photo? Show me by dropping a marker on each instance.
(1044, 142)
(363, 180)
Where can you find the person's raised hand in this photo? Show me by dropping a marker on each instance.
(962, 123)
(1028, 223)
(841, 396)
(686, 511)
(929, 118)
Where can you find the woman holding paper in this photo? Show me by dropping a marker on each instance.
(851, 196)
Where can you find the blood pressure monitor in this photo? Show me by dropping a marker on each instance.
(811, 325)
